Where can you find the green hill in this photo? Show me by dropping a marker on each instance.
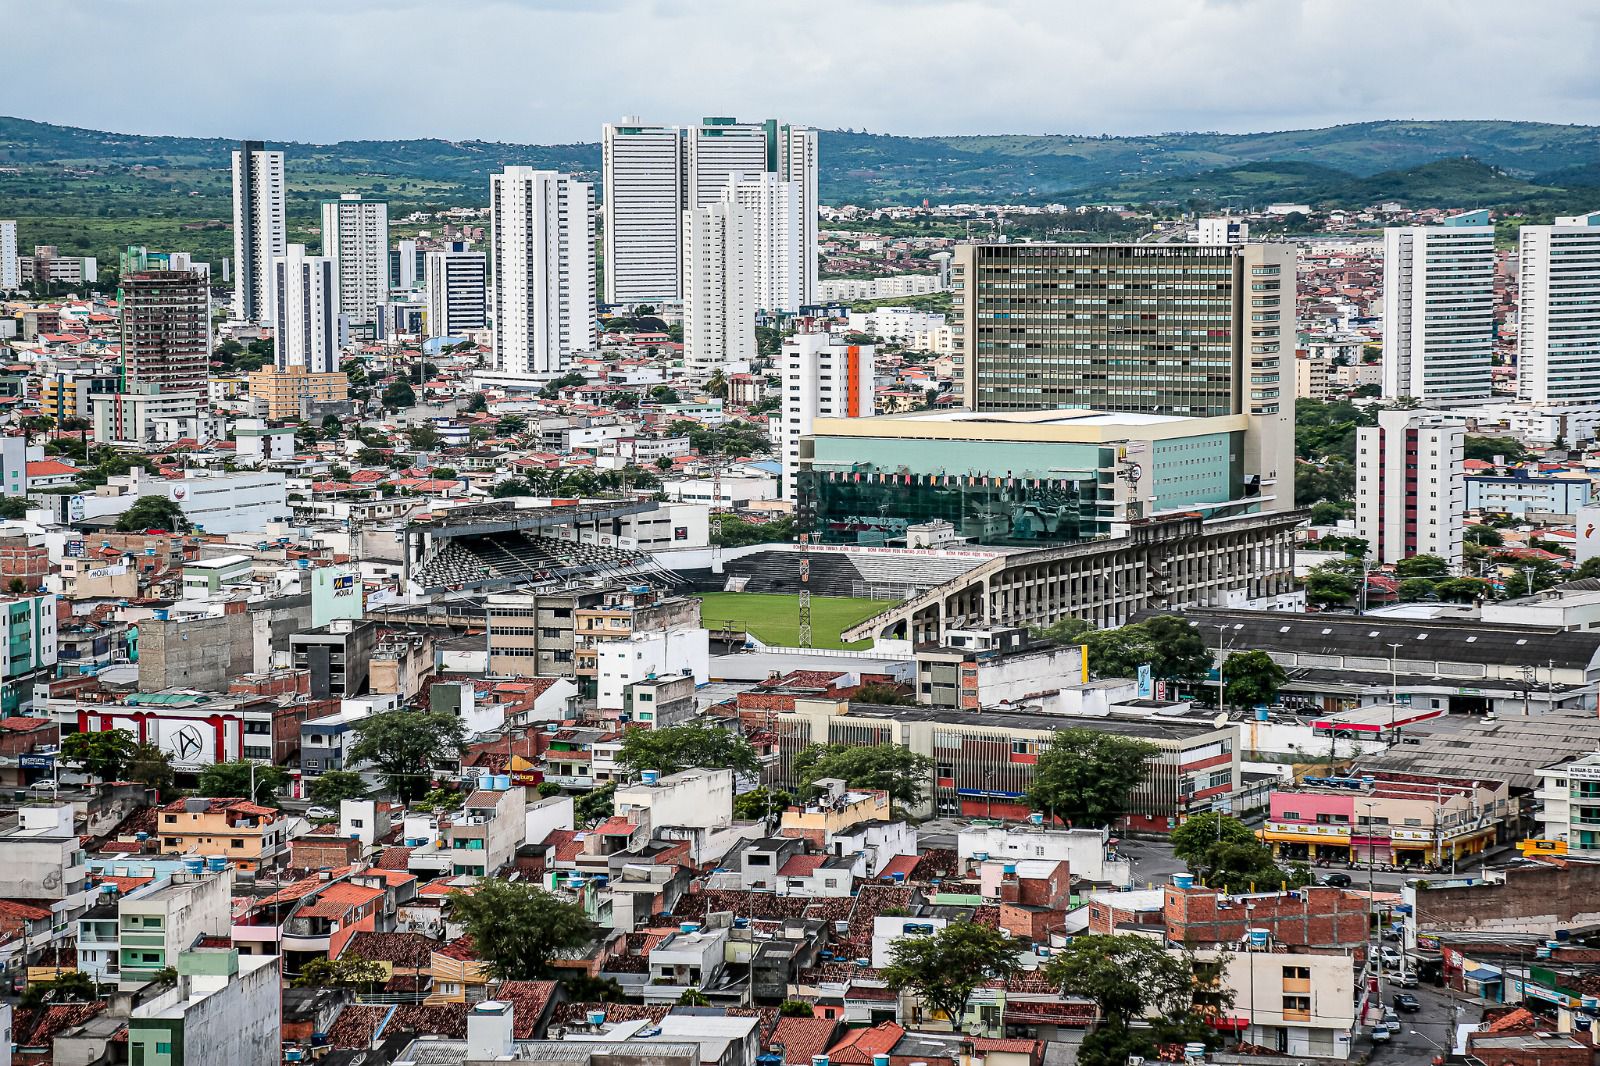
(92, 192)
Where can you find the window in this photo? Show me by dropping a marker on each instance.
(236, 842)
(163, 1047)
(1297, 973)
(1290, 816)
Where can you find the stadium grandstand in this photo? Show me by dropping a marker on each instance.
(495, 547)
(839, 570)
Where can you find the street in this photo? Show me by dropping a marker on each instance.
(1426, 1033)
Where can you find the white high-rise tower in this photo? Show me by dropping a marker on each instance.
(259, 232)
(798, 164)
(643, 180)
(543, 264)
(1438, 311)
(355, 235)
(10, 265)
(308, 330)
(454, 282)
(1558, 340)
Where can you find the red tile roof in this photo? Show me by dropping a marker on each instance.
(859, 1045)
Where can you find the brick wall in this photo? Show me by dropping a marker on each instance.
(1318, 916)
(1532, 900)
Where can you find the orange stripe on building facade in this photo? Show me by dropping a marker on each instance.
(852, 393)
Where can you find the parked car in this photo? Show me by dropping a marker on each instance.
(1337, 880)
(1407, 979)
(1380, 1033)
(1391, 1021)
(321, 814)
(1405, 1001)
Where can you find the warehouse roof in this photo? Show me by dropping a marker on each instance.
(1512, 749)
(1369, 637)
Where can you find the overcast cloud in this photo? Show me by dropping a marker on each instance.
(546, 71)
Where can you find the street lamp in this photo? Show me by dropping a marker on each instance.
(1394, 684)
(1222, 685)
(1372, 949)
(1529, 571)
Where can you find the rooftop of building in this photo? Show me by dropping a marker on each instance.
(1037, 427)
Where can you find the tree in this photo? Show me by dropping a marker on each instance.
(1129, 977)
(73, 986)
(14, 507)
(943, 969)
(477, 404)
(153, 512)
(595, 804)
(1421, 566)
(424, 437)
(232, 778)
(881, 694)
(103, 755)
(1084, 776)
(796, 1008)
(334, 786)
(1068, 630)
(686, 747)
(1326, 513)
(1181, 652)
(151, 767)
(759, 802)
(1487, 449)
(1487, 536)
(1413, 589)
(1329, 585)
(1224, 852)
(547, 789)
(1463, 590)
(1589, 568)
(693, 997)
(901, 772)
(397, 395)
(332, 425)
(405, 745)
(1253, 677)
(346, 971)
(518, 928)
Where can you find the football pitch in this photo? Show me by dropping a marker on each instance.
(774, 617)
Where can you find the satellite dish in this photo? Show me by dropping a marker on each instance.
(1220, 720)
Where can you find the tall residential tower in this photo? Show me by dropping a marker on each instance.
(643, 177)
(355, 235)
(308, 328)
(259, 231)
(1558, 338)
(543, 265)
(1438, 311)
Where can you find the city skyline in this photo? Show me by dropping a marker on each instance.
(1160, 78)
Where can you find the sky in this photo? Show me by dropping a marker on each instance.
(551, 71)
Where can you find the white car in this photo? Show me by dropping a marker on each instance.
(1380, 1033)
(320, 814)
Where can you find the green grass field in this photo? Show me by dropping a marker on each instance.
(774, 618)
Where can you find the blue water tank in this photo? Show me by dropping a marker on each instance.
(217, 863)
(502, 782)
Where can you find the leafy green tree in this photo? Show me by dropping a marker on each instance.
(1067, 630)
(232, 778)
(151, 767)
(943, 969)
(1326, 513)
(1180, 651)
(1589, 568)
(517, 928)
(153, 512)
(1463, 590)
(73, 986)
(332, 425)
(796, 1008)
(1485, 449)
(1487, 536)
(733, 532)
(1085, 776)
(346, 971)
(1224, 852)
(881, 694)
(424, 437)
(1328, 585)
(693, 997)
(1421, 566)
(899, 771)
(1132, 977)
(595, 804)
(398, 395)
(565, 381)
(1413, 589)
(759, 802)
(332, 787)
(406, 745)
(547, 789)
(103, 755)
(14, 507)
(1253, 677)
(686, 747)
(477, 404)
(1334, 479)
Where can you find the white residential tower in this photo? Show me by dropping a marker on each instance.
(543, 263)
(355, 235)
(259, 232)
(1438, 311)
